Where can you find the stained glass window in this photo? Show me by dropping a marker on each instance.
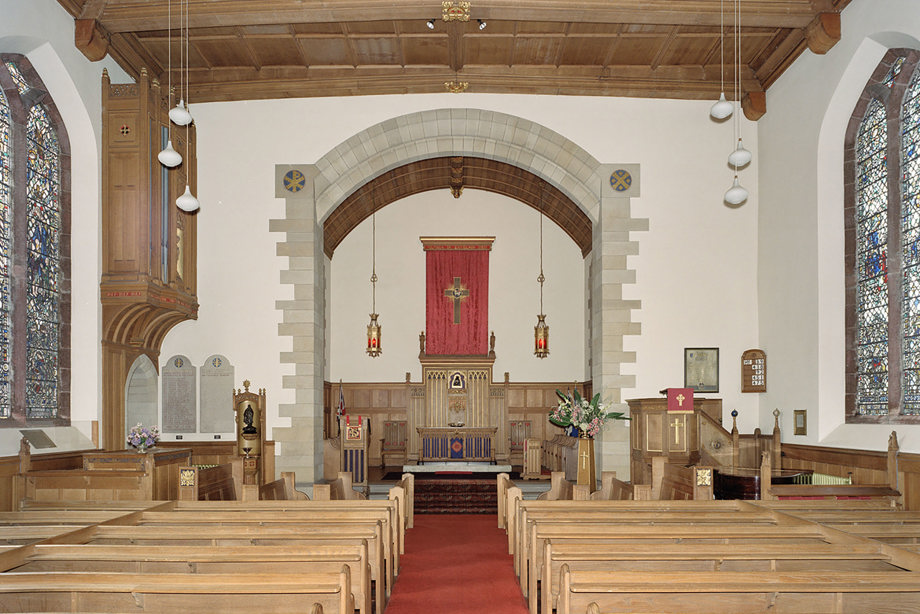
(6, 228)
(872, 262)
(910, 244)
(884, 232)
(32, 233)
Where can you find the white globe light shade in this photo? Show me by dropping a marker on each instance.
(736, 194)
(187, 201)
(169, 157)
(179, 114)
(740, 157)
(722, 108)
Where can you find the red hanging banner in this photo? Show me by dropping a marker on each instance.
(457, 295)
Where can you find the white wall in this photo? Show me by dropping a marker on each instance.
(696, 270)
(44, 32)
(801, 273)
(514, 296)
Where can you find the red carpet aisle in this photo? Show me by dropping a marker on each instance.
(456, 564)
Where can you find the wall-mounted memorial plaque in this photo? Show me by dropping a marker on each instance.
(179, 411)
(754, 371)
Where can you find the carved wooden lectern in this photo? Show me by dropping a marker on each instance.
(250, 431)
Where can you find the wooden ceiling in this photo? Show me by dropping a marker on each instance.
(256, 49)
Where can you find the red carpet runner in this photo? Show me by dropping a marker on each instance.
(456, 564)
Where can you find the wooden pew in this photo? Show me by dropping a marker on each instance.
(216, 483)
(737, 592)
(559, 489)
(282, 489)
(302, 524)
(702, 557)
(123, 592)
(278, 560)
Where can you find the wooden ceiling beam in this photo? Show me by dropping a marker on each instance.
(131, 16)
(638, 81)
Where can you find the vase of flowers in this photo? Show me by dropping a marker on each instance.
(588, 417)
(142, 437)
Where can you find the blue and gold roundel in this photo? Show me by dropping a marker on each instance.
(620, 180)
(294, 181)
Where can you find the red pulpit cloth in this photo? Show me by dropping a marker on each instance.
(680, 400)
(457, 295)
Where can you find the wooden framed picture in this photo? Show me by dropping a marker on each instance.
(801, 421)
(701, 369)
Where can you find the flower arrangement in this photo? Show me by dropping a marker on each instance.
(142, 437)
(587, 416)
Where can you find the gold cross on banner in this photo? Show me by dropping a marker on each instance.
(680, 400)
(456, 293)
(677, 425)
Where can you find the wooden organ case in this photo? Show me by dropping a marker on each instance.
(149, 246)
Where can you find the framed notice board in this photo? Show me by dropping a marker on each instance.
(754, 371)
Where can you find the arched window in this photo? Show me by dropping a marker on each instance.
(882, 209)
(34, 251)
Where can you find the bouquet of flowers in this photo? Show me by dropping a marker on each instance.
(142, 437)
(587, 416)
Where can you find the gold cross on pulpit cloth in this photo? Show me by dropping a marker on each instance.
(677, 425)
(680, 400)
(456, 293)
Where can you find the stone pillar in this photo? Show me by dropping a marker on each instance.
(303, 319)
(611, 317)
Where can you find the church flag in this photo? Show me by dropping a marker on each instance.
(457, 295)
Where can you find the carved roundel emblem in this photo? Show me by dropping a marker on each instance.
(216, 362)
(620, 180)
(178, 362)
(294, 181)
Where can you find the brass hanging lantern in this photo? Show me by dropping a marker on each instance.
(373, 329)
(541, 337)
(541, 330)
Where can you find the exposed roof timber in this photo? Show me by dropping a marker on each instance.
(132, 16)
(630, 81)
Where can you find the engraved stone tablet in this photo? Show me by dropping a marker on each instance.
(179, 414)
(216, 395)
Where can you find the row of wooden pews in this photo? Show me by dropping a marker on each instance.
(797, 556)
(202, 556)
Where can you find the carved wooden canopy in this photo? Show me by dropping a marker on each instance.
(242, 50)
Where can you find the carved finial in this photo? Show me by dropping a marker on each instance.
(421, 341)
(408, 377)
(246, 384)
(492, 342)
(776, 418)
(734, 421)
(893, 441)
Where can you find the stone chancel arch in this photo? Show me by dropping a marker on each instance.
(314, 192)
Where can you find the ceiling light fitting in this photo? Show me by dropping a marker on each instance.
(722, 108)
(186, 201)
(169, 157)
(541, 330)
(374, 329)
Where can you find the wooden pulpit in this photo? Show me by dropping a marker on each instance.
(654, 431)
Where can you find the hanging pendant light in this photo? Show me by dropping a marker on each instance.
(736, 194)
(722, 108)
(740, 157)
(179, 114)
(541, 330)
(187, 201)
(169, 157)
(374, 331)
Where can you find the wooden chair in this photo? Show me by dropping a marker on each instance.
(393, 444)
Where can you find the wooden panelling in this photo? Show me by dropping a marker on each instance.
(865, 467)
